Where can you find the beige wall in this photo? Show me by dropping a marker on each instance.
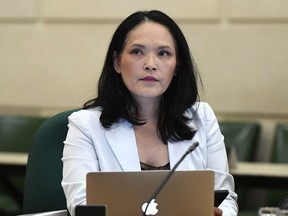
(51, 52)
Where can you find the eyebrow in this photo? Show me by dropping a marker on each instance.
(160, 47)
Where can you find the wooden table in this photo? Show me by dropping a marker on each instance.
(13, 158)
(260, 175)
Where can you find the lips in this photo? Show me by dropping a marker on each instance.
(149, 79)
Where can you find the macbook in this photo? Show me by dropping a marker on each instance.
(127, 193)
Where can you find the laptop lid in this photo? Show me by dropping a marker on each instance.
(124, 193)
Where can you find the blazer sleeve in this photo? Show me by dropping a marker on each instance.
(79, 158)
(218, 162)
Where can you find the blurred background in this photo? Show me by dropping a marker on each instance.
(52, 51)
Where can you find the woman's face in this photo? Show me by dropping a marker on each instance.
(148, 61)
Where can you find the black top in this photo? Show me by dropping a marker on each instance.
(149, 167)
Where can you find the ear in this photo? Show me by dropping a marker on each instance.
(116, 62)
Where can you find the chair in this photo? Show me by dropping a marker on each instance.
(280, 146)
(243, 136)
(16, 134)
(43, 191)
(279, 155)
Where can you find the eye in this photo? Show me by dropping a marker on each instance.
(136, 52)
(164, 53)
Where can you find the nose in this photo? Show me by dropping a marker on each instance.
(150, 64)
(149, 67)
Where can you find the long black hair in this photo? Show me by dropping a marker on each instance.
(116, 101)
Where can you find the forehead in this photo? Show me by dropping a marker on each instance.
(151, 32)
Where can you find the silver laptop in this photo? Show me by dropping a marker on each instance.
(127, 193)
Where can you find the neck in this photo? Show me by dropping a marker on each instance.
(149, 109)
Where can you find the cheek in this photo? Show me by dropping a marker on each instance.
(128, 71)
(172, 70)
(128, 67)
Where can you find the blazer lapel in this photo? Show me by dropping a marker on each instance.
(176, 151)
(122, 140)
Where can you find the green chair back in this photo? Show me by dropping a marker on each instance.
(16, 132)
(43, 191)
(279, 155)
(243, 136)
(280, 145)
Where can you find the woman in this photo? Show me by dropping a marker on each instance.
(146, 113)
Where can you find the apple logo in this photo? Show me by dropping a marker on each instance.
(151, 209)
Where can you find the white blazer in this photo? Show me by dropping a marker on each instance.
(89, 147)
